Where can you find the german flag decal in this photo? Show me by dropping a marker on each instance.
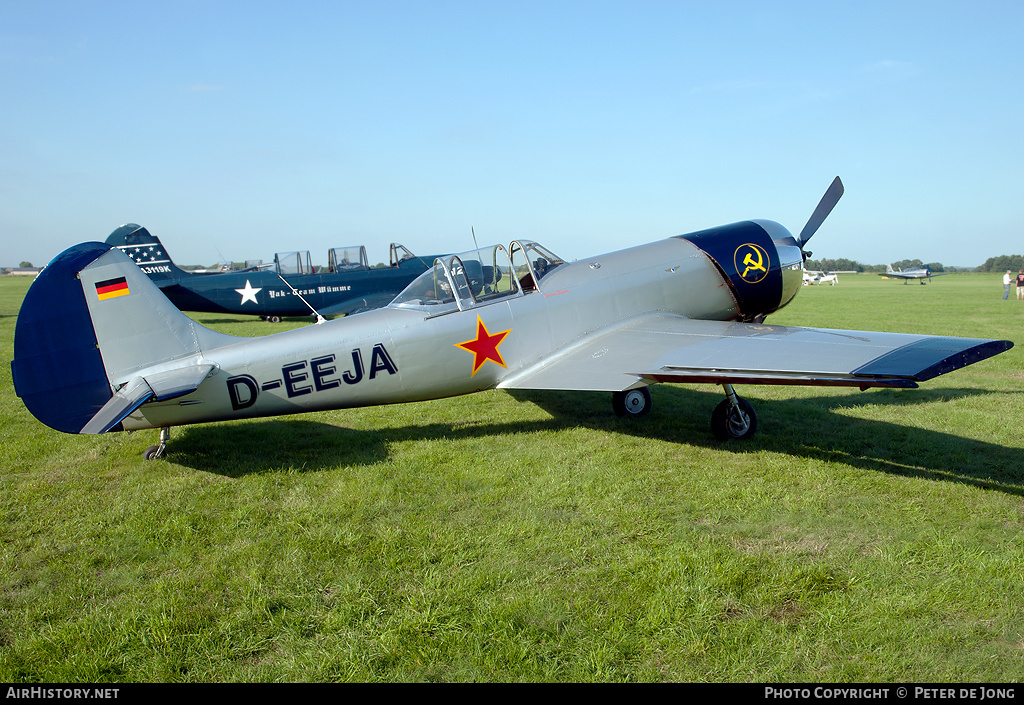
(111, 288)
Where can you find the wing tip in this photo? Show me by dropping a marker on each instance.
(931, 357)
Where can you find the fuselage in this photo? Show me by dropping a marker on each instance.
(404, 353)
(264, 293)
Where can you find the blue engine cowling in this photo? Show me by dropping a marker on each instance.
(759, 259)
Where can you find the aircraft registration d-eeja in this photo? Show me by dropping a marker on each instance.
(289, 287)
(905, 274)
(98, 348)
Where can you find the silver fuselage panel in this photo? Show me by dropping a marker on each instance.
(396, 354)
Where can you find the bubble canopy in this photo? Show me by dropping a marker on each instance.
(478, 277)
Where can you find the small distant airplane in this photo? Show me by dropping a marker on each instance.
(906, 274)
(291, 286)
(99, 348)
(813, 277)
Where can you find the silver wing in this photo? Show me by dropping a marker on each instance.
(667, 348)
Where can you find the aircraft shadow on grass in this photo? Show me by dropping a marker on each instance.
(808, 429)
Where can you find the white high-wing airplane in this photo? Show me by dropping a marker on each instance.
(812, 277)
(98, 348)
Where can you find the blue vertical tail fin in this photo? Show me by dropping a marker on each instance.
(146, 250)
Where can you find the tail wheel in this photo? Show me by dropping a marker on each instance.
(632, 402)
(733, 420)
(160, 450)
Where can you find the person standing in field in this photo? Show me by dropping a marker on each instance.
(1006, 285)
(1020, 285)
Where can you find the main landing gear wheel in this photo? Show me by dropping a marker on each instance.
(632, 402)
(733, 419)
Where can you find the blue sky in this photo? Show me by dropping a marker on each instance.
(233, 130)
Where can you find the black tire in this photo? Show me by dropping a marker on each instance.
(154, 453)
(728, 423)
(633, 403)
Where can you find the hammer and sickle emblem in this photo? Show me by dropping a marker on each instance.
(752, 268)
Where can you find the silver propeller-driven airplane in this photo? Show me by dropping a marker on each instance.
(905, 274)
(98, 348)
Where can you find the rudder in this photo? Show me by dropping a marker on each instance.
(57, 368)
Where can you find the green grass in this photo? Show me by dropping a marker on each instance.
(859, 537)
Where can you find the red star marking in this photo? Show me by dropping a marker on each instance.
(485, 346)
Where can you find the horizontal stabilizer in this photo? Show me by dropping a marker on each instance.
(124, 401)
(177, 382)
(159, 386)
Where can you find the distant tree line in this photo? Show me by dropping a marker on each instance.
(1002, 263)
(849, 265)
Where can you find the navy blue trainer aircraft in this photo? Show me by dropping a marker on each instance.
(291, 286)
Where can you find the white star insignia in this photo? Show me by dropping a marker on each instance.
(249, 293)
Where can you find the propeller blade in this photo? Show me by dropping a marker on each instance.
(825, 206)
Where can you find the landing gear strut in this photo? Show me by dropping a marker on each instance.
(734, 417)
(159, 451)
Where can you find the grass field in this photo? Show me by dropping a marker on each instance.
(859, 537)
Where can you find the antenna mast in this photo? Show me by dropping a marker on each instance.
(319, 319)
